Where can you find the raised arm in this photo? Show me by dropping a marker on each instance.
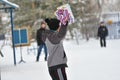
(56, 37)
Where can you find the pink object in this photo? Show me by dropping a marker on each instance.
(62, 15)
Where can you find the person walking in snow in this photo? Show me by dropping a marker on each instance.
(102, 33)
(40, 42)
(57, 59)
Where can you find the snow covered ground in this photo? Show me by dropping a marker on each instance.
(86, 61)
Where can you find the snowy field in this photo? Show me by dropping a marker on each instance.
(86, 61)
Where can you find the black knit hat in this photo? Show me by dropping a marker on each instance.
(52, 23)
(102, 22)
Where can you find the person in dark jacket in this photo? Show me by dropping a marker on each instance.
(102, 33)
(57, 59)
(40, 42)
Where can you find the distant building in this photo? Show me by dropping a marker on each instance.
(111, 18)
(113, 23)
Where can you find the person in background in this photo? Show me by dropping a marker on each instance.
(40, 42)
(102, 33)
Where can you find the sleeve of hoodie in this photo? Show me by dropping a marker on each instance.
(56, 37)
(98, 33)
(37, 35)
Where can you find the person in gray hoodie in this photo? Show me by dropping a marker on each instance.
(57, 59)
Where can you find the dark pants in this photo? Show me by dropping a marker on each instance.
(58, 74)
(103, 41)
(39, 51)
(1, 54)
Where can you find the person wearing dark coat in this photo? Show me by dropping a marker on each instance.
(102, 33)
(40, 42)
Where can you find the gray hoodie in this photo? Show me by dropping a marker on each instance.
(57, 57)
